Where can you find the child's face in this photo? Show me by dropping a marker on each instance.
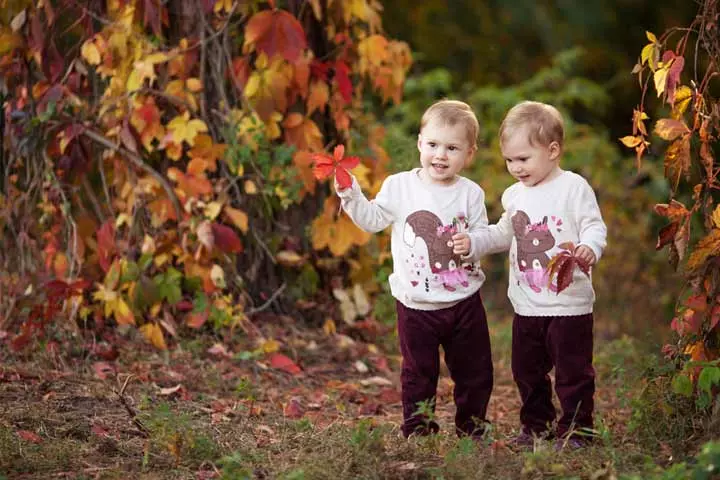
(530, 164)
(444, 151)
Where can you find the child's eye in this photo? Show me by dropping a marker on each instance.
(432, 144)
(452, 148)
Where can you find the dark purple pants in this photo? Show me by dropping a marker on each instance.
(463, 333)
(538, 345)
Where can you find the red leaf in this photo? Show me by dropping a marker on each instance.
(715, 316)
(343, 178)
(103, 369)
(276, 32)
(666, 235)
(323, 167)
(106, 244)
(29, 436)
(196, 320)
(565, 273)
(294, 408)
(343, 80)
(349, 162)
(282, 362)
(226, 239)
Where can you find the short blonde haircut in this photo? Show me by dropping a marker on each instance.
(542, 122)
(452, 112)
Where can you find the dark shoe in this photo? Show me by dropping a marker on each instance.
(571, 443)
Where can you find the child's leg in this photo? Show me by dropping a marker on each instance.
(571, 347)
(469, 359)
(530, 367)
(419, 333)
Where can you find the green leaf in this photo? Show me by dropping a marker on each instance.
(709, 376)
(131, 272)
(682, 385)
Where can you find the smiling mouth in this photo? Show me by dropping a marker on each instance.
(439, 166)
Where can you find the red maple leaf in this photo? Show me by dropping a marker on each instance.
(325, 165)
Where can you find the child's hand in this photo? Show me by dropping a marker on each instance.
(461, 244)
(585, 254)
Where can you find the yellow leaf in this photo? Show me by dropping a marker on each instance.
(329, 327)
(212, 210)
(361, 173)
(217, 275)
(183, 129)
(154, 335)
(270, 346)
(194, 84)
(134, 81)
(630, 141)
(238, 218)
(706, 247)
(123, 315)
(716, 216)
(651, 36)
(250, 187)
(660, 78)
(90, 52)
(683, 95)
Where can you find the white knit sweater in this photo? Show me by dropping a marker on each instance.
(535, 222)
(426, 274)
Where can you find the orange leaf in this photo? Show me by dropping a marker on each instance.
(238, 218)
(276, 32)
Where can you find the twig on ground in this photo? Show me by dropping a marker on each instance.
(269, 301)
(131, 411)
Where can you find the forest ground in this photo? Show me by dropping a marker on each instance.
(329, 409)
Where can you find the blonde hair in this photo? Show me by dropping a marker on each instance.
(452, 112)
(543, 123)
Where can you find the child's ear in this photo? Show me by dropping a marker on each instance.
(554, 148)
(419, 144)
(471, 155)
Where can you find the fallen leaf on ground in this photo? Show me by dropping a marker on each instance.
(29, 436)
(282, 362)
(382, 381)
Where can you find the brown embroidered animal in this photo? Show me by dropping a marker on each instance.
(533, 240)
(429, 227)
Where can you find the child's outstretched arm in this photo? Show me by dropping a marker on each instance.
(486, 239)
(592, 231)
(372, 216)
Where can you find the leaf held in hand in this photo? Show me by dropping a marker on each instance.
(325, 165)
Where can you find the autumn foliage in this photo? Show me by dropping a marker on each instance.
(158, 158)
(681, 68)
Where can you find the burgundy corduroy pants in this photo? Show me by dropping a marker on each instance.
(462, 331)
(563, 342)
